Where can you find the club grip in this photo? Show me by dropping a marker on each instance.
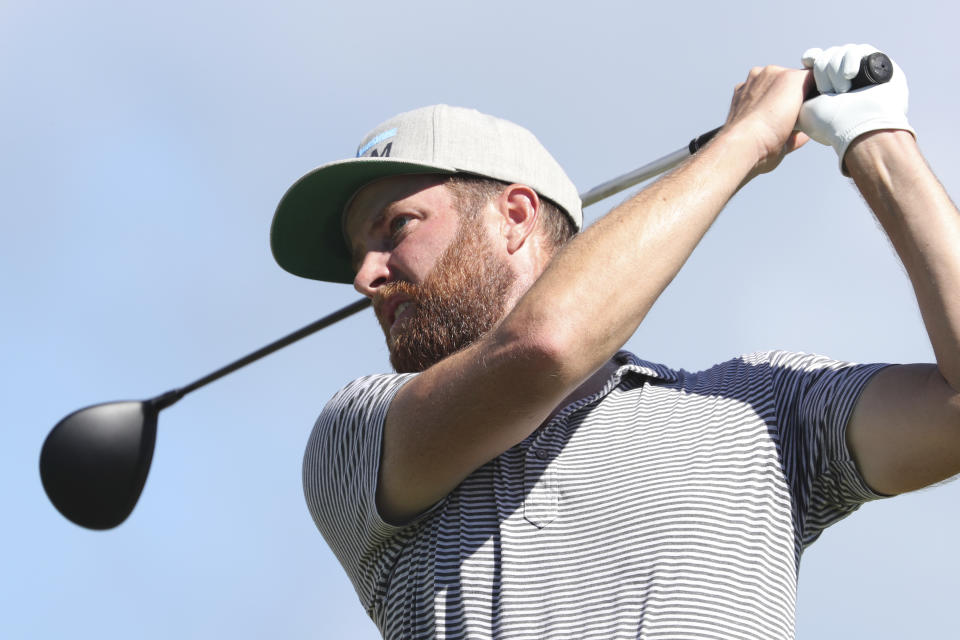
(701, 140)
(875, 68)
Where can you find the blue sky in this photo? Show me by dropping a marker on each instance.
(144, 148)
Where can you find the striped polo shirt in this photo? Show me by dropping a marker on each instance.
(669, 504)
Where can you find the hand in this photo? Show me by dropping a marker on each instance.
(764, 109)
(836, 117)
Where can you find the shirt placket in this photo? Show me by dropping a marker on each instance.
(541, 502)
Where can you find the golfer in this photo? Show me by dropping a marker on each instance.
(520, 476)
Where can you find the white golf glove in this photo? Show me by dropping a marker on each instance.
(837, 118)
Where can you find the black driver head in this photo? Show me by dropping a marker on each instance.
(94, 463)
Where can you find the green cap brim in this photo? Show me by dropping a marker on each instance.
(306, 236)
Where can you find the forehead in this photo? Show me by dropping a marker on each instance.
(372, 201)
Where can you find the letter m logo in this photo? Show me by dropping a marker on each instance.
(383, 154)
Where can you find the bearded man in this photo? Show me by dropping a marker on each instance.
(520, 476)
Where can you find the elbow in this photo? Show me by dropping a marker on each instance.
(549, 350)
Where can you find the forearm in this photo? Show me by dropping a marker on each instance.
(596, 292)
(924, 227)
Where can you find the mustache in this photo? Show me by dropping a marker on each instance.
(390, 289)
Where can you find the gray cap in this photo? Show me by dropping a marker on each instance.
(306, 236)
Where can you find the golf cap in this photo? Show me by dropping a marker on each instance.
(307, 233)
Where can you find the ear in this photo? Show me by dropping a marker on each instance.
(520, 209)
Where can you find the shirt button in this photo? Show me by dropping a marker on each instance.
(542, 454)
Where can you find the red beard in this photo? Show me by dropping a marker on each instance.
(462, 298)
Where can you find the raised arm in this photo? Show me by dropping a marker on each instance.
(905, 430)
(474, 405)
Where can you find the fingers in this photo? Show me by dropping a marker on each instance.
(850, 62)
(764, 108)
(796, 140)
(770, 84)
(810, 56)
(834, 68)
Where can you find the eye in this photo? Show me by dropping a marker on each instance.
(398, 224)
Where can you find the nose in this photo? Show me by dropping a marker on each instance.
(373, 273)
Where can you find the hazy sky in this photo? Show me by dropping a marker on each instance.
(143, 148)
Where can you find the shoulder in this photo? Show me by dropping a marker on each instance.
(342, 455)
(362, 396)
(772, 364)
(359, 405)
(758, 370)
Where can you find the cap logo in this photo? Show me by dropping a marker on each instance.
(377, 139)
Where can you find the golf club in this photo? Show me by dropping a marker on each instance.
(94, 463)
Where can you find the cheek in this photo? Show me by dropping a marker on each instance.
(411, 262)
(418, 254)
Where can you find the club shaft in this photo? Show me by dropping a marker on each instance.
(627, 180)
(168, 398)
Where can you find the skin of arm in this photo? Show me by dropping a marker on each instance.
(905, 430)
(472, 406)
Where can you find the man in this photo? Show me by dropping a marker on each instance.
(520, 476)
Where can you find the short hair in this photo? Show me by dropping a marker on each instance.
(472, 192)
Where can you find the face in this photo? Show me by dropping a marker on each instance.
(435, 278)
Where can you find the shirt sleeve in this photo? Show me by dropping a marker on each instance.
(814, 398)
(340, 468)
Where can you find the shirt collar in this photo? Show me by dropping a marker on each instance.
(631, 364)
